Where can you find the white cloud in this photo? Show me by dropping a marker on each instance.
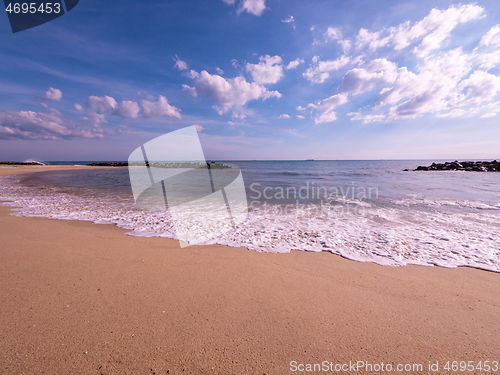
(431, 31)
(78, 107)
(101, 104)
(285, 116)
(480, 87)
(488, 115)
(434, 89)
(179, 64)
(457, 112)
(360, 80)
(366, 37)
(229, 93)
(300, 117)
(159, 108)
(219, 70)
(442, 85)
(230, 2)
(44, 105)
(488, 60)
(193, 74)
(325, 108)
(445, 83)
(238, 116)
(291, 20)
(190, 90)
(199, 128)
(53, 94)
(96, 119)
(268, 71)
(48, 126)
(256, 7)
(334, 33)
(294, 64)
(127, 109)
(492, 37)
(435, 81)
(321, 69)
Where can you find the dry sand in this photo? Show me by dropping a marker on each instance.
(82, 298)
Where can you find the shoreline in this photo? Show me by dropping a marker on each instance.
(26, 169)
(85, 298)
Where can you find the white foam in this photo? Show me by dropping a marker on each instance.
(404, 233)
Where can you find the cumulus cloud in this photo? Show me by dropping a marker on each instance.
(488, 60)
(445, 83)
(78, 107)
(179, 64)
(325, 108)
(96, 119)
(488, 115)
(479, 87)
(285, 116)
(159, 108)
(101, 104)
(300, 117)
(319, 71)
(46, 126)
(360, 80)
(334, 33)
(492, 37)
(431, 31)
(199, 128)
(294, 64)
(53, 94)
(127, 109)
(255, 7)
(269, 70)
(228, 93)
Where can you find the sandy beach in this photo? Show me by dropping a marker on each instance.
(83, 298)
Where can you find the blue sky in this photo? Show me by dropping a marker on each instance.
(262, 79)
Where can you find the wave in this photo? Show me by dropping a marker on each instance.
(392, 235)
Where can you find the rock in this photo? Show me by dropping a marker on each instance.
(20, 163)
(108, 164)
(476, 166)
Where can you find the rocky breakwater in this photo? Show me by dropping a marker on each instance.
(21, 163)
(469, 166)
(158, 164)
(108, 164)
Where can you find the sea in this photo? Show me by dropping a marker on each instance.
(367, 211)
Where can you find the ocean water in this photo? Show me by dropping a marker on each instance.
(362, 210)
